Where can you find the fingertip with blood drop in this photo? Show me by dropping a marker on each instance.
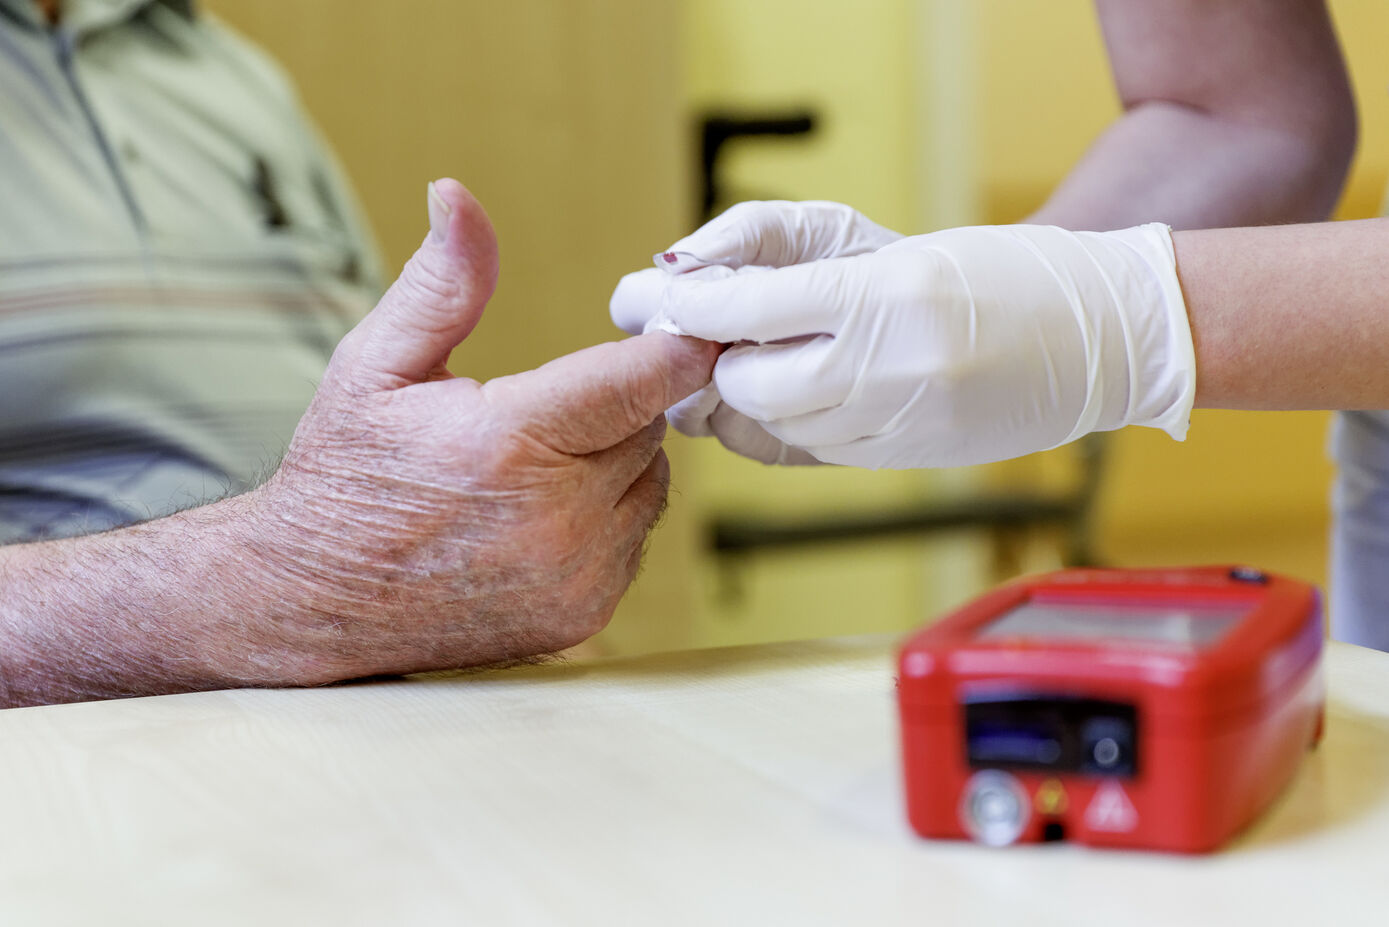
(679, 262)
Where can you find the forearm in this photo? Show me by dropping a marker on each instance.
(1289, 317)
(1235, 113)
(165, 606)
(1164, 162)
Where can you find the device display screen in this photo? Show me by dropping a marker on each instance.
(1188, 627)
(1052, 732)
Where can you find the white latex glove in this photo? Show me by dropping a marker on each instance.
(748, 237)
(958, 347)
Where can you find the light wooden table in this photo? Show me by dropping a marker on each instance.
(746, 786)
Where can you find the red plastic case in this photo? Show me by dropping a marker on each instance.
(1003, 732)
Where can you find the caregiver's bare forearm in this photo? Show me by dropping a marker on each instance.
(1189, 169)
(1289, 317)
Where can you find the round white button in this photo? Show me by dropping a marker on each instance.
(994, 808)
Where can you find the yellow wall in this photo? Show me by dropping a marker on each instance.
(847, 61)
(1042, 92)
(1364, 29)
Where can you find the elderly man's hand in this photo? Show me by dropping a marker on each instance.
(423, 521)
(419, 520)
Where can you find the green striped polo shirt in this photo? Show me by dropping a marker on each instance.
(178, 257)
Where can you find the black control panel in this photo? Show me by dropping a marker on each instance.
(1051, 733)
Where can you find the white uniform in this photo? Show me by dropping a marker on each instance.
(1359, 604)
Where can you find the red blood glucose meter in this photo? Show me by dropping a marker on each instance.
(1157, 709)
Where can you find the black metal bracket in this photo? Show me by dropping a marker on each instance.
(719, 127)
(1071, 511)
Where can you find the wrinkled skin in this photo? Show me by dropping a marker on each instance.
(437, 522)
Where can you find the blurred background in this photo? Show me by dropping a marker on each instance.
(596, 131)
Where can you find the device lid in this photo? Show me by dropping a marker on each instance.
(1208, 641)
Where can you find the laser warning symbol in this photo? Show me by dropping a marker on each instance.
(1110, 810)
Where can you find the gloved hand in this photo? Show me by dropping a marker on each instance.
(748, 237)
(958, 347)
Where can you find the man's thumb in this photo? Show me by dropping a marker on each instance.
(437, 299)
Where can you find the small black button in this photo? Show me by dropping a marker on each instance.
(1249, 575)
(1107, 745)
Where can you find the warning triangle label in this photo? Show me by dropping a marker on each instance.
(1110, 809)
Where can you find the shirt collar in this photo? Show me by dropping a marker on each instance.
(82, 16)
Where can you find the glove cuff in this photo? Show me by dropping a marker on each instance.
(1156, 388)
(1164, 364)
